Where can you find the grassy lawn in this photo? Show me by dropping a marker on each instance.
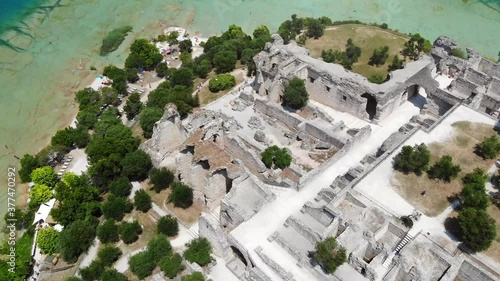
(461, 148)
(367, 38)
(207, 97)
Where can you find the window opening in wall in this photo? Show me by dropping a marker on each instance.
(328, 88)
(311, 79)
(344, 98)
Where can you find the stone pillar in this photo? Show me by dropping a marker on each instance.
(209, 228)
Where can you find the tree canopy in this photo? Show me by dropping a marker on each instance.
(478, 228)
(108, 255)
(136, 165)
(412, 159)
(221, 82)
(195, 276)
(198, 251)
(330, 255)
(379, 56)
(130, 231)
(142, 201)
(120, 186)
(148, 117)
(295, 94)
(171, 265)
(141, 265)
(489, 148)
(168, 226)
(44, 175)
(116, 207)
(107, 232)
(276, 157)
(143, 55)
(39, 194)
(75, 239)
(161, 178)
(133, 106)
(181, 195)
(28, 164)
(48, 240)
(444, 169)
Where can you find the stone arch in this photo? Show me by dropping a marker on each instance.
(239, 255)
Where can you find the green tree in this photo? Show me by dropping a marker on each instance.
(198, 251)
(109, 254)
(295, 94)
(136, 165)
(478, 176)
(75, 239)
(263, 32)
(233, 32)
(142, 201)
(276, 157)
(379, 56)
(181, 195)
(489, 148)
(162, 70)
(48, 240)
(108, 232)
(44, 175)
(478, 229)
(444, 169)
(93, 271)
(104, 171)
(112, 274)
(221, 82)
(112, 72)
(203, 68)
(171, 265)
(132, 76)
(182, 76)
(143, 55)
(28, 164)
(120, 187)
(396, 64)
(168, 225)
(330, 255)
(195, 276)
(129, 232)
(141, 265)
(116, 207)
(416, 45)
(110, 96)
(70, 137)
(474, 195)
(315, 29)
(86, 119)
(159, 247)
(172, 36)
(133, 106)
(148, 117)
(87, 98)
(161, 178)
(39, 194)
(412, 159)
(186, 46)
(225, 61)
(187, 60)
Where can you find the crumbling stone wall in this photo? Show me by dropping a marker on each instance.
(490, 68)
(209, 228)
(273, 111)
(238, 150)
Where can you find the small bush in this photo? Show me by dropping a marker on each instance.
(199, 251)
(168, 225)
(221, 82)
(407, 221)
(330, 255)
(444, 169)
(489, 148)
(459, 53)
(295, 94)
(181, 195)
(377, 79)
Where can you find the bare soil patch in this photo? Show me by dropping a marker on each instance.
(437, 193)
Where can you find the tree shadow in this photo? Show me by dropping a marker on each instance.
(453, 229)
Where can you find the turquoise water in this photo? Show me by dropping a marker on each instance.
(47, 55)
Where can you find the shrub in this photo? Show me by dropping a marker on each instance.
(112, 274)
(412, 159)
(329, 255)
(407, 221)
(141, 265)
(168, 225)
(171, 265)
(113, 40)
(478, 229)
(198, 251)
(120, 187)
(195, 276)
(28, 164)
(459, 53)
(108, 232)
(221, 82)
(377, 79)
(162, 70)
(295, 94)
(444, 169)
(109, 255)
(276, 157)
(75, 239)
(489, 148)
(136, 165)
(39, 195)
(161, 178)
(142, 201)
(396, 64)
(379, 56)
(129, 232)
(181, 195)
(315, 29)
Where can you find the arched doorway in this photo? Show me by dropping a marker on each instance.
(237, 253)
(371, 105)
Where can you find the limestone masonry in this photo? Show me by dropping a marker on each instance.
(264, 223)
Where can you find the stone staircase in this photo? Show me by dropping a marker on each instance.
(388, 261)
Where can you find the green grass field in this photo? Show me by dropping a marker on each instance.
(366, 37)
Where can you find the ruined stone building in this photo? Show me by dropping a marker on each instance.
(216, 151)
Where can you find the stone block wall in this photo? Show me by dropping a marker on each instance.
(490, 68)
(447, 97)
(303, 229)
(476, 77)
(285, 275)
(273, 111)
(322, 135)
(238, 150)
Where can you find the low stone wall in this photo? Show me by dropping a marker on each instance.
(273, 111)
(446, 96)
(322, 135)
(285, 275)
(280, 240)
(303, 229)
(476, 77)
(431, 127)
(238, 150)
(490, 68)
